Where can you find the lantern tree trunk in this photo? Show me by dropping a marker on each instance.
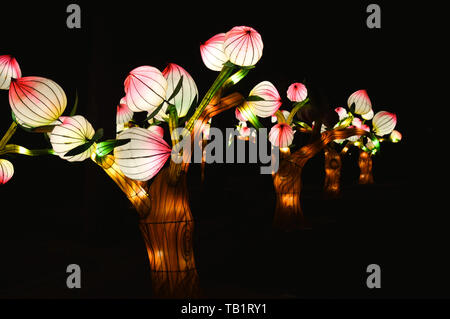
(287, 180)
(365, 168)
(333, 165)
(166, 223)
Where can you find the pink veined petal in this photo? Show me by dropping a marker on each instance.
(384, 123)
(365, 127)
(188, 92)
(73, 132)
(124, 114)
(145, 89)
(6, 171)
(158, 130)
(361, 100)
(244, 131)
(356, 122)
(281, 135)
(144, 156)
(243, 46)
(341, 112)
(9, 68)
(368, 115)
(271, 103)
(239, 116)
(36, 101)
(212, 52)
(297, 92)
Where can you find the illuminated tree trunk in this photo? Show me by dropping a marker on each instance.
(167, 227)
(287, 180)
(333, 165)
(168, 231)
(288, 211)
(365, 168)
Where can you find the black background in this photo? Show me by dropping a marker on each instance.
(54, 213)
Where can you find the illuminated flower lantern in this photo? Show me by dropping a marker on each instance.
(72, 132)
(384, 123)
(361, 101)
(145, 89)
(239, 116)
(6, 171)
(281, 135)
(9, 69)
(212, 52)
(187, 94)
(395, 136)
(243, 45)
(123, 114)
(143, 156)
(36, 101)
(297, 92)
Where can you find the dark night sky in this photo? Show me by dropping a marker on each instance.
(326, 43)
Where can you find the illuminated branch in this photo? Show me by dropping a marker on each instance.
(17, 149)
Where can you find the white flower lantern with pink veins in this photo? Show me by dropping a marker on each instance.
(6, 171)
(243, 46)
(9, 69)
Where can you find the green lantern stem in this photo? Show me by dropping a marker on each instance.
(9, 133)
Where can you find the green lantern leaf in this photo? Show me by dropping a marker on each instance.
(106, 147)
(75, 105)
(156, 111)
(177, 89)
(98, 135)
(254, 98)
(80, 149)
(229, 64)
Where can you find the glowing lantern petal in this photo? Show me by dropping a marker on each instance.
(395, 136)
(285, 114)
(124, 114)
(341, 112)
(145, 89)
(9, 68)
(212, 52)
(368, 115)
(143, 156)
(281, 135)
(158, 130)
(188, 92)
(271, 103)
(297, 92)
(74, 131)
(384, 123)
(361, 100)
(239, 116)
(36, 101)
(243, 46)
(6, 171)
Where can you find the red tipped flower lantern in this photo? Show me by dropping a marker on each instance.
(6, 171)
(297, 92)
(281, 135)
(9, 69)
(36, 101)
(243, 46)
(145, 89)
(212, 52)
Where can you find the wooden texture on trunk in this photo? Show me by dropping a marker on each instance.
(365, 168)
(287, 180)
(333, 165)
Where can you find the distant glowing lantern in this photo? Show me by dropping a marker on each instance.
(188, 92)
(384, 123)
(72, 132)
(36, 101)
(6, 171)
(281, 135)
(271, 102)
(361, 100)
(124, 114)
(145, 89)
(143, 156)
(297, 92)
(368, 115)
(212, 52)
(341, 112)
(243, 46)
(395, 136)
(9, 68)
